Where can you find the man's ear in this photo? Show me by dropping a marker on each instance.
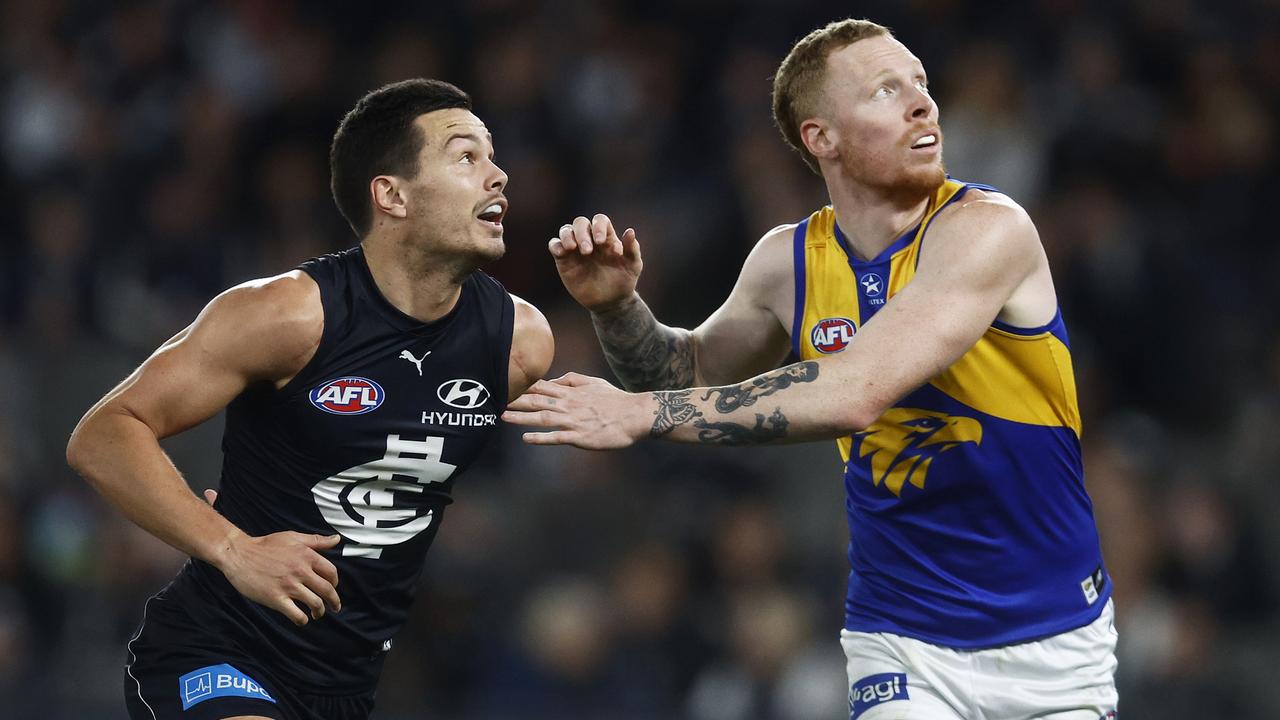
(387, 196)
(819, 138)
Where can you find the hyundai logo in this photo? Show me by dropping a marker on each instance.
(462, 393)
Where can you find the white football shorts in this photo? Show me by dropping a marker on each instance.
(1070, 676)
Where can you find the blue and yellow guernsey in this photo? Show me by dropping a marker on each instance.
(969, 522)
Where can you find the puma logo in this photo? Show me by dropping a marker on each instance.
(417, 362)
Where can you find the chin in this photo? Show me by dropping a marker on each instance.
(933, 178)
(912, 180)
(921, 181)
(490, 251)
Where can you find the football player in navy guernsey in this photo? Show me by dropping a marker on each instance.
(358, 387)
(931, 348)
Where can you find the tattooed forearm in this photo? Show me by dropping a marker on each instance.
(674, 409)
(728, 433)
(643, 353)
(732, 397)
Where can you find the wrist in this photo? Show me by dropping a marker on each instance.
(615, 307)
(221, 553)
(641, 416)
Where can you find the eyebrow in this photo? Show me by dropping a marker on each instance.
(468, 136)
(918, 72)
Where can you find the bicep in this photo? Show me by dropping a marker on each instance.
(246, 335)
(747, 335)
(181, 385)
(941, 314)
(740, 340)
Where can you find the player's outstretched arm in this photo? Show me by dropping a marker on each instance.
(600, 269)
(260, 332)
(975, 262)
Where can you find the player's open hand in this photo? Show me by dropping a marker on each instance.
(598, 267)
(590, 413)
(284, 570)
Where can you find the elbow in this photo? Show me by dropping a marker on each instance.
(82, 446)
(77, 447)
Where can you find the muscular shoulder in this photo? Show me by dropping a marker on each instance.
(768, 274)
(983, 227)
(775, 248)
(271, 325)
(533, 347)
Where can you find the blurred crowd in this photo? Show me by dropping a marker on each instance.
(152, 154)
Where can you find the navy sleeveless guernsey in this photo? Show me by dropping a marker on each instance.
(366, 441)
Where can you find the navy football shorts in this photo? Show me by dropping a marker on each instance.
(175, 670)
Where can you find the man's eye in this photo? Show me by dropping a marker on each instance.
(924, 86)
(883, 91)
(467, 158)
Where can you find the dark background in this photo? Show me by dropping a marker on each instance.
(152, 154)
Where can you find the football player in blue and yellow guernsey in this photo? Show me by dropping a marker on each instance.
(932, 349)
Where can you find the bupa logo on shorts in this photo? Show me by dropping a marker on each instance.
(463, 394)
(831, 335)
(217, 681)
(348, 396)
(875, 689)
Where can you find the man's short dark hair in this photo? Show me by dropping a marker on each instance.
(378, 137)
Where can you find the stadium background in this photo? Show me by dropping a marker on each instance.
(154, 154)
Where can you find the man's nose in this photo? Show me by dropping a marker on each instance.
(922, 105)
(499, 179)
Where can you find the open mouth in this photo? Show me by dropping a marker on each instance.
(493, 213)
(925, 141)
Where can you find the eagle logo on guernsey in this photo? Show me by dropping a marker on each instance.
(831, 335)
(348, 396)
(903, 443)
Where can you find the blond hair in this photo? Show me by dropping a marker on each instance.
(798, 84)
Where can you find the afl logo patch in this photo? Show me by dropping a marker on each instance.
(348, 396)
(831, 335)
(463, 394)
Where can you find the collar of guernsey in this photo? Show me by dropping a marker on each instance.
(969, 522)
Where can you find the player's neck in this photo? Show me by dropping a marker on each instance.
(417, 285)
(873, 219)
